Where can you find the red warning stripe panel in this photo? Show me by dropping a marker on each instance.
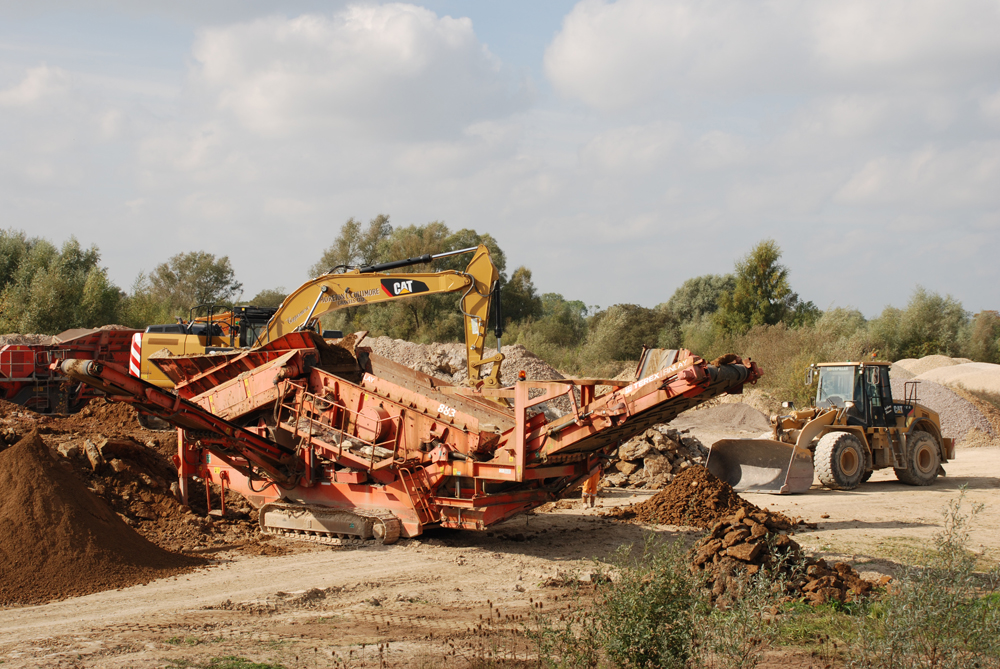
(135, 355)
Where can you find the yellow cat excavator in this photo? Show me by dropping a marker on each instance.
(371, 284)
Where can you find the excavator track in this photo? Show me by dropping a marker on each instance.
(328, 526)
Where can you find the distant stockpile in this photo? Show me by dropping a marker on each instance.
(941, 389)
(448, 361)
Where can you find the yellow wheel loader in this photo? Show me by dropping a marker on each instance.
(854, 428)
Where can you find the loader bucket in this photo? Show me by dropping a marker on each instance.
(761, 465)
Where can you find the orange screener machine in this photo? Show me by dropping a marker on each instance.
(337, 445)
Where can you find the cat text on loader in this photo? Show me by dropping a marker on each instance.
(854, 428)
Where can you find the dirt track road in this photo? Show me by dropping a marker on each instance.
(303, 609)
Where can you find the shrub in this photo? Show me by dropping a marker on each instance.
(942, 615)
(648, 615)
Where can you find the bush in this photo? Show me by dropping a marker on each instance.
(942, 615)
(648, 616)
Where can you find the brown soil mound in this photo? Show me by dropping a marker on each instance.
(58, 540)
(744, 543)
(112, 415)
(695, 498)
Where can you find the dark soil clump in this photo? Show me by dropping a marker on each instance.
(58, 540)
(742, 544)
(695, 498)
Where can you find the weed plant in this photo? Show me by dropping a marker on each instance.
(645, 614)
(736, 636)
(943, 615)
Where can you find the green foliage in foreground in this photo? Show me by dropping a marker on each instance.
(234, 662)
(941, 614)
(652, 612)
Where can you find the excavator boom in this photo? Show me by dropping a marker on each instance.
(368, 285)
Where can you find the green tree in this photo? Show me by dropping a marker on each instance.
(520, 301)
(191, 279)
(762, 294)
(931, 324)
(981, 339)
(354, 246)
(620, 331)
(269, 297)
(700, 296)
(46, 290)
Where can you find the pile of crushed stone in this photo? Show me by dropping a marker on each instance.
(448, 361)
(756, 398)
(746, 542)
(696, 498)
(25, 339)
(983, 377)
(917, 366)
(58, 540)
(653, 458)
(958, 415)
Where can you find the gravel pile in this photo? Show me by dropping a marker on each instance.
(754, 397)
(975, 376)
(25, 339)
(448, 361)
(654, 458)
(917, 366)
(958, 415)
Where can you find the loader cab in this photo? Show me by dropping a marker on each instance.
(863, 388)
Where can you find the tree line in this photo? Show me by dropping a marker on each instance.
(752, 311)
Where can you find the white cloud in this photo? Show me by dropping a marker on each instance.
(683, 132)
(40, 84)
(380, 70)
(613, 56)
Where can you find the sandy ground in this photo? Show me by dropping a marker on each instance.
(423, 598)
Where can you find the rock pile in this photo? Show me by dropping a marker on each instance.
(448, 361)
(654, 458)
(746, 542)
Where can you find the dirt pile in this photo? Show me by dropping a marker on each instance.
(654, 458)
(696, 498)
(58, 540)
(746, 542)
(137, 478)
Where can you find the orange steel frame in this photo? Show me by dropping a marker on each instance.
(276, 427)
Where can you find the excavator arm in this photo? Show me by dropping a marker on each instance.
(372, 285)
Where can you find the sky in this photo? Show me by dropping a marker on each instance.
(614, 148)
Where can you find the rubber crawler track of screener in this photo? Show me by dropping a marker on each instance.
(331, 527)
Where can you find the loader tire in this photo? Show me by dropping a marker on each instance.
(869, 467)
(923, 460)
(840, 460)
